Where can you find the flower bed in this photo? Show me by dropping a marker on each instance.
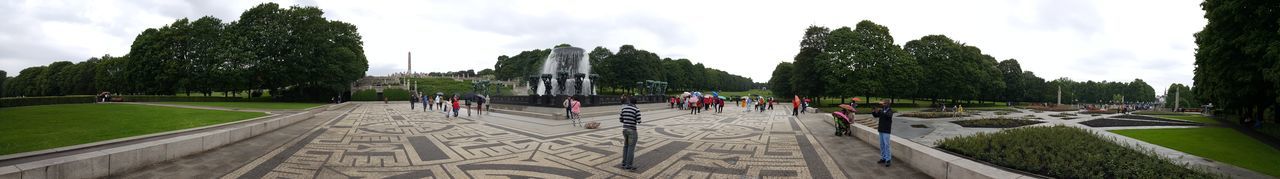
(1100, 111)
(1152, 118)
(1128, 123)
(996, 122)
(935, 114)
(1054, 108)
(1065, 152)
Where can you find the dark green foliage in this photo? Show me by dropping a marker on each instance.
(1180, 91)
(1065, 152)
(995, 122)
(935, 114)
(372, 95)
(1236, 57)
(32, 101)
(806, 80)
(863, 61)
(780, 83)
(294, 51)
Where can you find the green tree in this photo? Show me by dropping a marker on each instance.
(1236, 66)
(3, 77)
(946, 74)
(1179, 91)
(1012, 75)
(111, 75)
(1140, 91)
(808, 65)
(780, 82)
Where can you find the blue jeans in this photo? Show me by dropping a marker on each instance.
(884, 147)
(455, 112)
(628, 147)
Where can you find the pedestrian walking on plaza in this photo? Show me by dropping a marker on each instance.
(772, 102)
(804, 107)
(480, 103)
(439, 104)
(456, 106)
(568, 109)
(426, 102)
(413, 99)
(885, 114)
(577, 111)
(795, 106)
(630, 116)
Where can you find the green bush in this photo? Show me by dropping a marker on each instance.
(935, 114)
(995, 122)
(372, 95)
(144, 98)
(1066, 152)
(1054, 108)
(1100, 111)
(1167, 113)
(46, 100)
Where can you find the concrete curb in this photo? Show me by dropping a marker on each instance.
(935, 163)
(123, 159)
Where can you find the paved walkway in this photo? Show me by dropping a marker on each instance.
(376, 140)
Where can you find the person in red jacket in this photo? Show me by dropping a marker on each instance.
(795, 106)
(456, 106)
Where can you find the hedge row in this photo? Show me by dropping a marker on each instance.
(189, 99)
(47, 100)
(390, 94)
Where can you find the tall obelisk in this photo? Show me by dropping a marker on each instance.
(410, 63)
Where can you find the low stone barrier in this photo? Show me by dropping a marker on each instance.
(123, 159)
(931, 161)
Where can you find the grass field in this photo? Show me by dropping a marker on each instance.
(249, 105)
(1220, 144)
(31, 128)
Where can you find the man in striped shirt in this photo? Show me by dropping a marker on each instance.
(629, 117)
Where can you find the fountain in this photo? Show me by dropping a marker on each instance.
(564, 72)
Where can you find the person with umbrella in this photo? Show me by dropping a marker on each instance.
(480, 103)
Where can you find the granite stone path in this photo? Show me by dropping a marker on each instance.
(375, 140)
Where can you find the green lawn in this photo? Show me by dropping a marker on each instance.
(31, 128)
(1220, 144)
(249, 105)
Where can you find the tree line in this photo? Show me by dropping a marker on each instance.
(293, 52)
(1238, 60)
(864, 61)
(629, 65)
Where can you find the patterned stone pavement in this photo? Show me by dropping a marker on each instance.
(392, 141)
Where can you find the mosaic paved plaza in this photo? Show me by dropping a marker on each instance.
(376, 140)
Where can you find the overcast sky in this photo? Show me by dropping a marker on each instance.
(1080, 39)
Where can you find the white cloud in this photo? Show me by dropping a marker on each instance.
(1080, 39)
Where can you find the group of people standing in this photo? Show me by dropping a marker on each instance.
(445, 104)
(759, 103)
(573, 110)
(696, 104)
